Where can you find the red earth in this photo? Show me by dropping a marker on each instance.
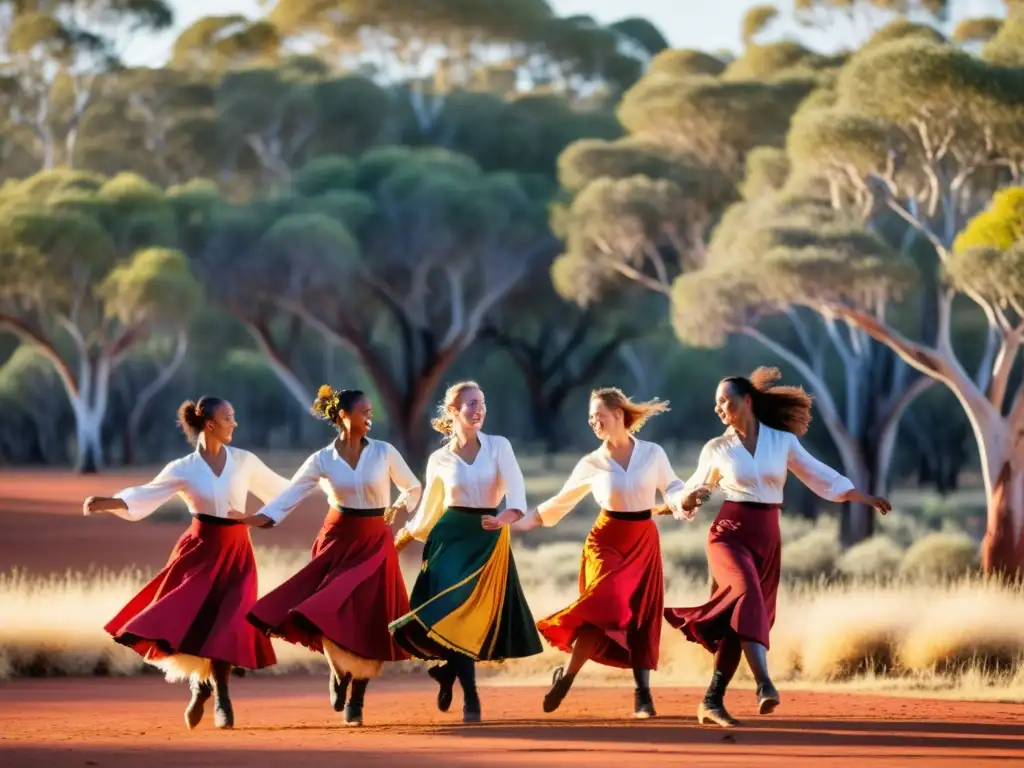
(122, 723)
(42, 528)
(138, 721)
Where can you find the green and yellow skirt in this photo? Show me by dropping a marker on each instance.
(467, 598)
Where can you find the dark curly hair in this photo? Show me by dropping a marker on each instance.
(331, 402)
(192, 415)
(785, 408)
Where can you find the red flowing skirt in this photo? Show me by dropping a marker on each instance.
(197, 604)
(349, 592)
(745, 556)
(622, 593)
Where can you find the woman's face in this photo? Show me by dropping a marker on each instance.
(469, 409)
(731, 407)
(606, 422)
(221, 427)
(359, 421)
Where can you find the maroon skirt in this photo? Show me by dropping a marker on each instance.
(622, 593)
(744, 555)
(348, 593)
(197, 604)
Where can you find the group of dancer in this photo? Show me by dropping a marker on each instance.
(200, 617)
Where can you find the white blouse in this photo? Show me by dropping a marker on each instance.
(726, 464)
(450, 481)
(205, 493)
(367, 486)
(633, 489)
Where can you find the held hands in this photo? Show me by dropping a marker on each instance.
(495, 522)
(528, 522)
(402, 539)
(392, 512)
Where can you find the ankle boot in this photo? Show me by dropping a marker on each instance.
(354, 708)
(201, 693)
(338, 690)
(223, 714)
(444, 675)
(643, 702)
(560, 685)
(767, 695)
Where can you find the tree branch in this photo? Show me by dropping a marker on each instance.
(648, 282)
(166, 373)
(278, 364)
(1003, 364)
(32, 336)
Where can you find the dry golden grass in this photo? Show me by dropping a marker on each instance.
(962, 637)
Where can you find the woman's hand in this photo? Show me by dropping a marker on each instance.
(402, 539)
(96, 504)
(877, 502)
(528, 522)
(392, 512)
(258, 520)
(495, 522)
(696, 498)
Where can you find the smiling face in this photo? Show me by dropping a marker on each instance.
(606, 422)
(358, 421)
(732, 408)
(469, 409)
(221, 425)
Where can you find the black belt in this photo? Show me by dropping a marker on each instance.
(353, 512)
(629, 517)
(474, 510)
(214, 520)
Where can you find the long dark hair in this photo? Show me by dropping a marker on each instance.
(782, 407)
(192, 416)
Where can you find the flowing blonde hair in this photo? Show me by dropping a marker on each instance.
(445, 421)
(635, 415)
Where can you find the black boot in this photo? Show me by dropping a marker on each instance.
(465, 670)
(201, 693)
(560, 685)
(643, 702)
(445, 676)
(767, 694)
(223, 714)
(713, 705)
(338, 690)
(354, 708)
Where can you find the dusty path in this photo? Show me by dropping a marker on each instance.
(117, 723)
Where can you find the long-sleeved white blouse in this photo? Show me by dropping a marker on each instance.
(617, 489)
(450, 481)
(365, 486)
(727, 465)
(205, 493)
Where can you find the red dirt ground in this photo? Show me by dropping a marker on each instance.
(125, 723)
(42, 528)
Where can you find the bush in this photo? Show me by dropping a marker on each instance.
(940, 556)
(878, 556)
(811, 556)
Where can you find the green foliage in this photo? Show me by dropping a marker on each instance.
(676, 64)
(1007, 45)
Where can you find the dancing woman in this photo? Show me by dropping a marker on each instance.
(617, 619)
(190, 619)
(467, 603)
(749, 464)
(341, 603)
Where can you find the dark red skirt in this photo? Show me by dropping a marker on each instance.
(744, 555)
(622, 593)
(197, 604)
(349, 592)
